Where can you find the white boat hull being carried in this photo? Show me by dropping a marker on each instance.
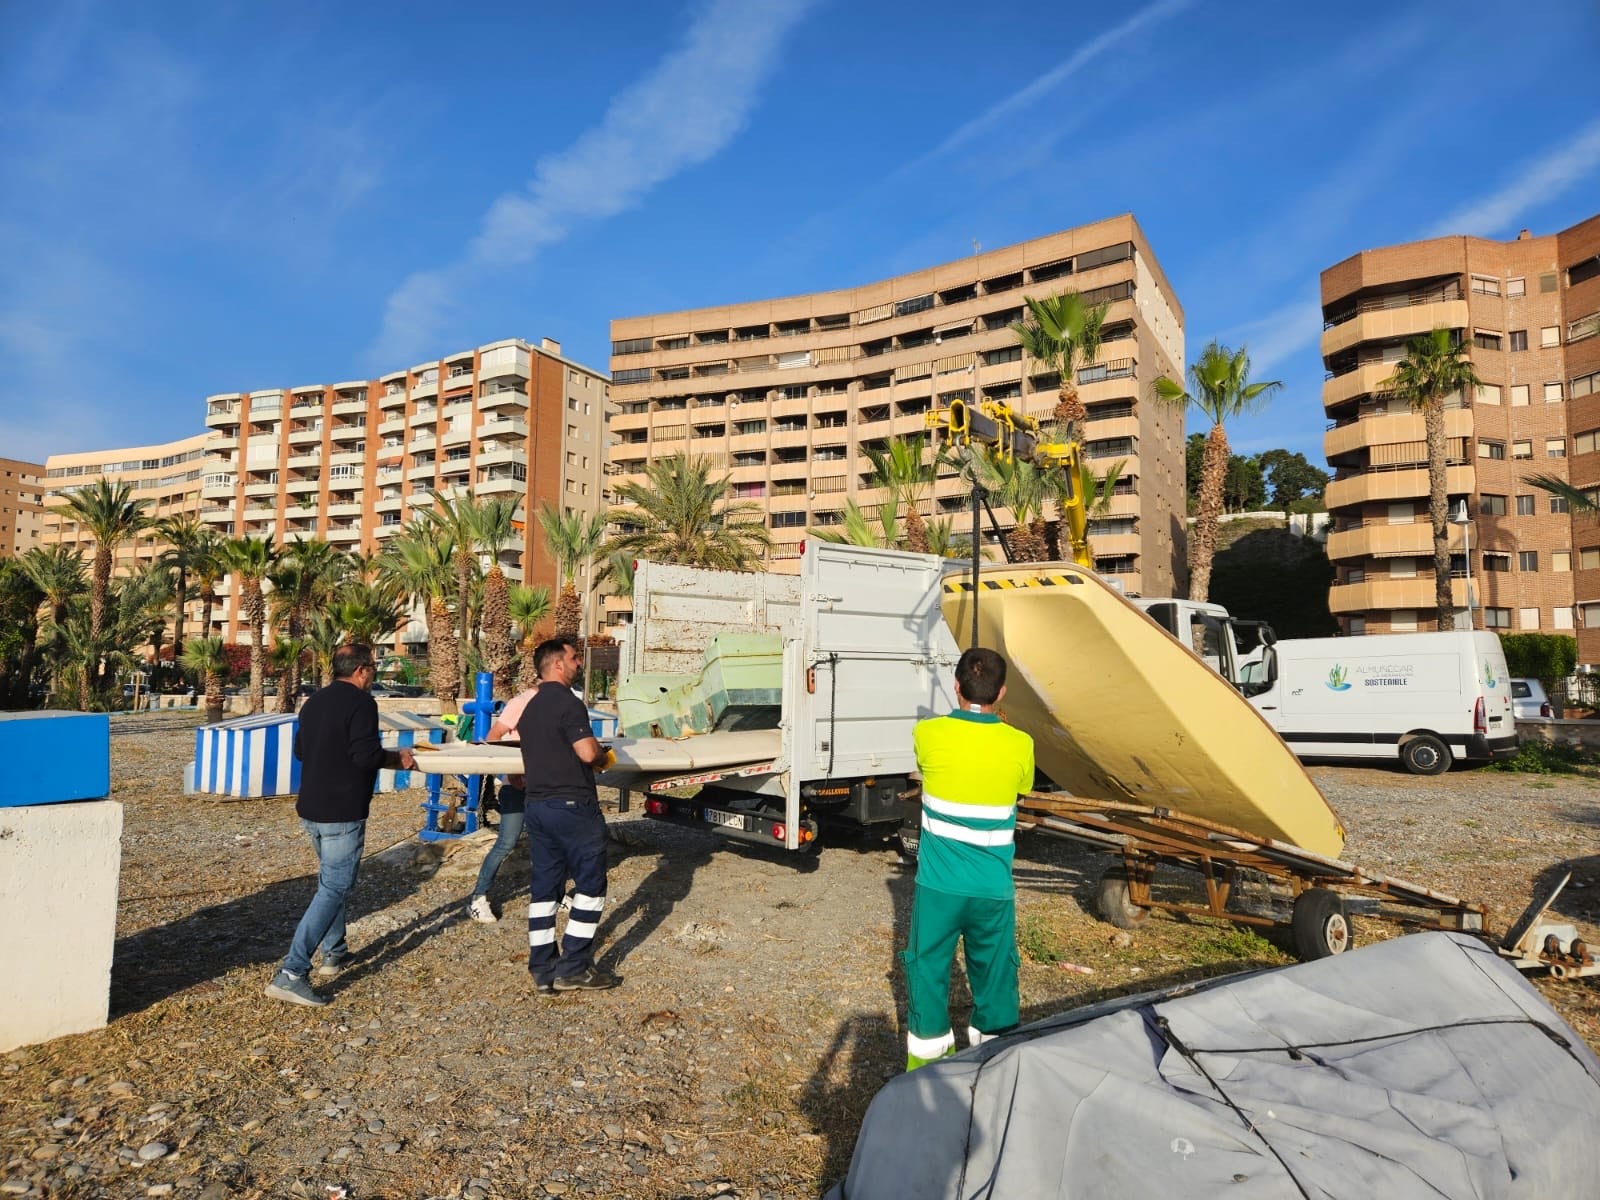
(640, 756)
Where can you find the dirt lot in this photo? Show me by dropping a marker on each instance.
(759, 1015)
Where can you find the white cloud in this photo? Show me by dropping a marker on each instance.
(1535, 183)
(1279, 335)
(1031, 92)
(692, 104)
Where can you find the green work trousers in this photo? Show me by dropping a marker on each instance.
(988, 932)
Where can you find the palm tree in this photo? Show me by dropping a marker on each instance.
(493, 532)
(1435, 367)
(111, 515)
(527, 608)
(682, 515)
(1021, 486)
(58, 572)
(857, 530)
(185, 537)
(945, 542)
(285, 658)
(250, 560)
(1221, 389)
(1063, 333)
(572, 538)
(366, 613)
(419, 565)
(208, 566)
(900, 468)
(324, 635)
(310, 572)
(456, 518)
(205, 657)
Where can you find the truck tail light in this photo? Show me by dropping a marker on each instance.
(656, 807)
(779, 831)
(1545, 710)
(1480, 722)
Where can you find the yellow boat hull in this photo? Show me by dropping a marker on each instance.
(1119, 710)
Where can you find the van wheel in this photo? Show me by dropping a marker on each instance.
(1425, 755)
(1320, 926)
(1114, 903)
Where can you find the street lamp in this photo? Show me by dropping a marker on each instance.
(1460, 517)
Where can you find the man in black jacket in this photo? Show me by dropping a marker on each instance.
(337, 743)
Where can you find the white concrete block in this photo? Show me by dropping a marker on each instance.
(59, 865)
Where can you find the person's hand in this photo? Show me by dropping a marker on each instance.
(408, 760)
(607, 760)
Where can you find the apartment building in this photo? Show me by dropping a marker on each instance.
(1529, 311)
(21, 505)
(353, 462)
(785, 394)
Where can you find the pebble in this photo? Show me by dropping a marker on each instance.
(15, 1187)
(555, 1188)
(391, 1147)
(159, 1189)
(613, 1131)
(151, 1151)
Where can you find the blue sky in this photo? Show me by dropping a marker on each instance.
(215, 197)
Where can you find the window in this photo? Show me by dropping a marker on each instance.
(1519, 395)
(1517, 286)
(1357, 626)
(1489, 393)
(1490, 449)
(1561, 561)
(1485, 286)
(1547, 282)
(915, 305)
(1561, 618)
(1527, 560)
(1558, 504)
(1484, 340)
(1527, 506)
(1007, 355)
(637, 375)
(788, 520)
(1589, 558)
(1555, 447)
(1549, 336)
(1586, 385)
(1528, 618)
(1521, 449)
(1519, 340)
(1552, 393)
(1497, 563)
(1497, 618)
(1403, 620)
(1402, 568)
(1492, 506)
(1402, 514)
(1580, 272)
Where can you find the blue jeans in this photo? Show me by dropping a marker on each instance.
(566, 840)
(338, 845)
(510, 830)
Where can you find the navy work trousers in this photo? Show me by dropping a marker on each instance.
(566, 840)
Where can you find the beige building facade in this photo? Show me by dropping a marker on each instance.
(784, 394)
(21, 506)
(1529, 311)
(166, 476)
(352, 463)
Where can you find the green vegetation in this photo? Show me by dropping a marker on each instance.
(1547, 657)
(1548, 758)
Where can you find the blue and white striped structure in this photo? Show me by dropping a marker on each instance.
(254, 756)
(604, 724)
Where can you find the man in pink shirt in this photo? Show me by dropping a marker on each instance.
(511, 810)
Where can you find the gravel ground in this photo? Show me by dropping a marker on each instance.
(758, 1017)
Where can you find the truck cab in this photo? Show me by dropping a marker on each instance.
(1233, 648)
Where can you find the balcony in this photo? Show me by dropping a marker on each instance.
(1372, 594)
(493, 455)
(420, 442)
(456, 435)
(501, 483)
(1367, 379)
(502, 399)
(344, 510)
(348, 458)
(425, 387)
(306, 435)
(1379, 429)
(223, 443)
(1378, 539)
(392, 400)
(344, 533)
(503, 429)
(1384, 324)
(386, 529)
(388, 504)
(349, 406)
(423, 416)
(420, 499)
(260, 513)
(422, 473)
(217, 486)
(391, 425)
(261, 487)
(347, 432)
(223, 415)
(1408, 483)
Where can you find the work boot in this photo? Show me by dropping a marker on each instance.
(592, 980)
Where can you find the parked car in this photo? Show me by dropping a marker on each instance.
(1528, 701)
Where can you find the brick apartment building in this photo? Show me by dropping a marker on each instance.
(784, 394)
(21, 505)
(1529, 309)
(353, 462)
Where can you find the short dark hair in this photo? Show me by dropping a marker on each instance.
(980, 674)
(347, 660)
(549, 650)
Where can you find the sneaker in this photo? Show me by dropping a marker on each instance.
(482, 910)
(544, 990)
(295, 989)
(331, 966)
(592, 980)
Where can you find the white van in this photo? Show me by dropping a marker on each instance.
(1431, 698)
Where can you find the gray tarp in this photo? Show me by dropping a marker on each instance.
(1423, 1066)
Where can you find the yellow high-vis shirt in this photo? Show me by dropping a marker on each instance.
(973, 768)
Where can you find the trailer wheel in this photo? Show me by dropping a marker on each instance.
(1320, 925)
(1425, 755)
(1114, 902)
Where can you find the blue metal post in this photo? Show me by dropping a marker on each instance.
(481, 709)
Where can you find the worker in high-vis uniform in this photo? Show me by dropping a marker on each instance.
(973, 768)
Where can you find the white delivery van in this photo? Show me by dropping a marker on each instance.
(1430, 698)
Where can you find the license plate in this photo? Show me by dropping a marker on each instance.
(727, 819)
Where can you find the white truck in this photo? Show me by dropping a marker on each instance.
(1228, 644)
(866, 654)
(1430, 698)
